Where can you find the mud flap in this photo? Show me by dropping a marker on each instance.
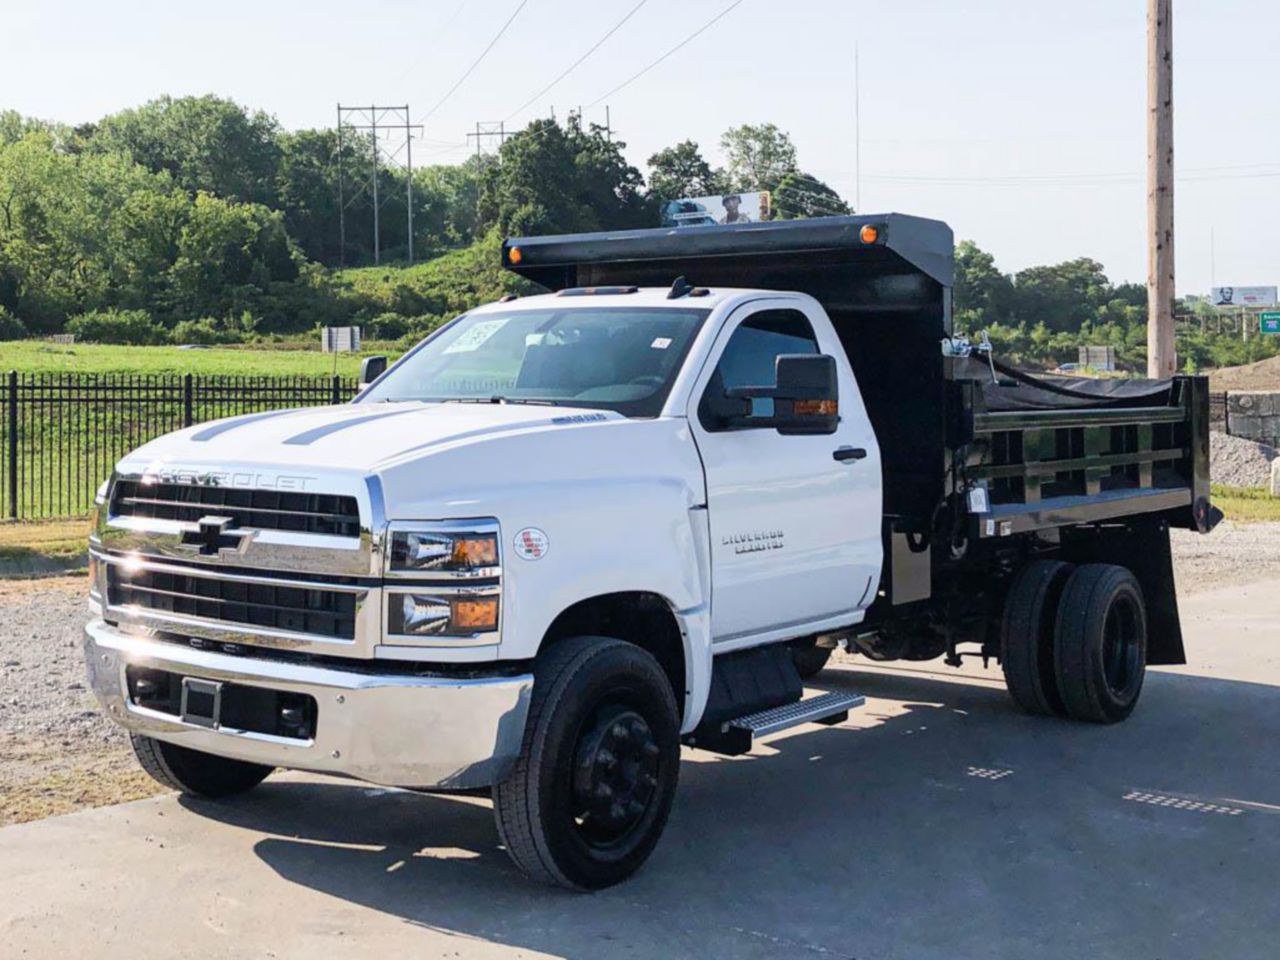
(1144, 548)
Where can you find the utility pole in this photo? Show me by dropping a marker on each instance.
(342, 203)
(376, 205)
(397, 133)
(1161, 358)
(857, 132)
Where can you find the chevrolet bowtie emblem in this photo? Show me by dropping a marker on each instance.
(213, 537)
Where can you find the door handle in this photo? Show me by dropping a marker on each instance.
(849, 453)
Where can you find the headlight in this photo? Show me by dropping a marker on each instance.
(456, 550)
(425, 614)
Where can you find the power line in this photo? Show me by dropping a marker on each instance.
(434, 43)
(594, 47)
(693, 36)
(483, 53)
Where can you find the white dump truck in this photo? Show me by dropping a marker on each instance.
(569, 533)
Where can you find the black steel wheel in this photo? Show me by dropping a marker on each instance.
(193, 772)
(1026, 637)
(592, 790)
(1100, 643)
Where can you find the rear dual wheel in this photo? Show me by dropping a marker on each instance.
(1074, 641)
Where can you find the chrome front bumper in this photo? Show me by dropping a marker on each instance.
(396, 730)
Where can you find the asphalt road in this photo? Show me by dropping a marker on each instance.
(938, 823)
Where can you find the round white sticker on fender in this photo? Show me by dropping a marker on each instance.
(531, 544)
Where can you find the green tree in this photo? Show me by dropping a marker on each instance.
(982, 294)
(553, 179)
(229, 255)
(205, 143)
(800, 195)
(758, 156)
(681, 171)
(1061, 296)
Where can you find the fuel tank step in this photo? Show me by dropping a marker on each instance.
(736, 736)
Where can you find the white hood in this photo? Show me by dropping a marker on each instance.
(357, 437)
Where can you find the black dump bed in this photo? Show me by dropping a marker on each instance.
(1047, 451)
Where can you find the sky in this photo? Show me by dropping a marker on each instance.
(1020, 122)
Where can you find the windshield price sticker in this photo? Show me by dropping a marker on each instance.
(475, 336)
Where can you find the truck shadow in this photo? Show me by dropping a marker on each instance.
(939, 823)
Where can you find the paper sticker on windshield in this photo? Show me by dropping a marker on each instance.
(531, 544)
(660, 343)
(475, 335)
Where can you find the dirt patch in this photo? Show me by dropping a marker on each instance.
(1263, 375)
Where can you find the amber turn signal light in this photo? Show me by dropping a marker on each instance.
(479, 614)
(816, 408)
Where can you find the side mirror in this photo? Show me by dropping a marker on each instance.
(371, 368)
(805, 396)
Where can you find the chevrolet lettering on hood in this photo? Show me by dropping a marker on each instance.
(221, 478)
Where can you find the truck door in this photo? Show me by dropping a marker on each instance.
(794, 520)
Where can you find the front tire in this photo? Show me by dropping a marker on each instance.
(810, 660)
(592, 790)
(194, 773)
(1100, 643)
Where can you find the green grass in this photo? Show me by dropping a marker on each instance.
(43, 547)
(1246, 504)
(38, 356)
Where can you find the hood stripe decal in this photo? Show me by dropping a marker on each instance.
(316, 433)
(220, 428)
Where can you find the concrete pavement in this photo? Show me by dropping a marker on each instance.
(938, 823)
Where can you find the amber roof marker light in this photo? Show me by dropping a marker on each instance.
(869, 234)
(514, 255)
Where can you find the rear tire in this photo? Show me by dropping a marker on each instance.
(1100, 643)
(592, 790)
(1027, 637)
(194, 773)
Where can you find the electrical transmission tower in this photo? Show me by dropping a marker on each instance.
(486, 130)
(390, 132)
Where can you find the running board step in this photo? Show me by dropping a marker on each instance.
(736, 736)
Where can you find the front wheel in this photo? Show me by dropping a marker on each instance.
(810, 659)
(194, 773)
(594, 784)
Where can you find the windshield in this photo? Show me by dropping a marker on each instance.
(613, 358)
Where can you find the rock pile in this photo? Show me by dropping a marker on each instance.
(1237, 462)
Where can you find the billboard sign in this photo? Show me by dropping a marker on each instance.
(1269, 322)
(1244, 296)
(725, 208)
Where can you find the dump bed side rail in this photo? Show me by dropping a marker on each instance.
(1060, 467)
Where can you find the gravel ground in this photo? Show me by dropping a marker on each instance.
(58, 753)
(1238, 462)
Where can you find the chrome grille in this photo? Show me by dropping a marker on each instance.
(302, 609)
(316, 513)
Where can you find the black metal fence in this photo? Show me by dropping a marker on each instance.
(61, 434)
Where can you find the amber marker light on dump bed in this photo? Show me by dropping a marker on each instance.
(515, 255)
(868, 234)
